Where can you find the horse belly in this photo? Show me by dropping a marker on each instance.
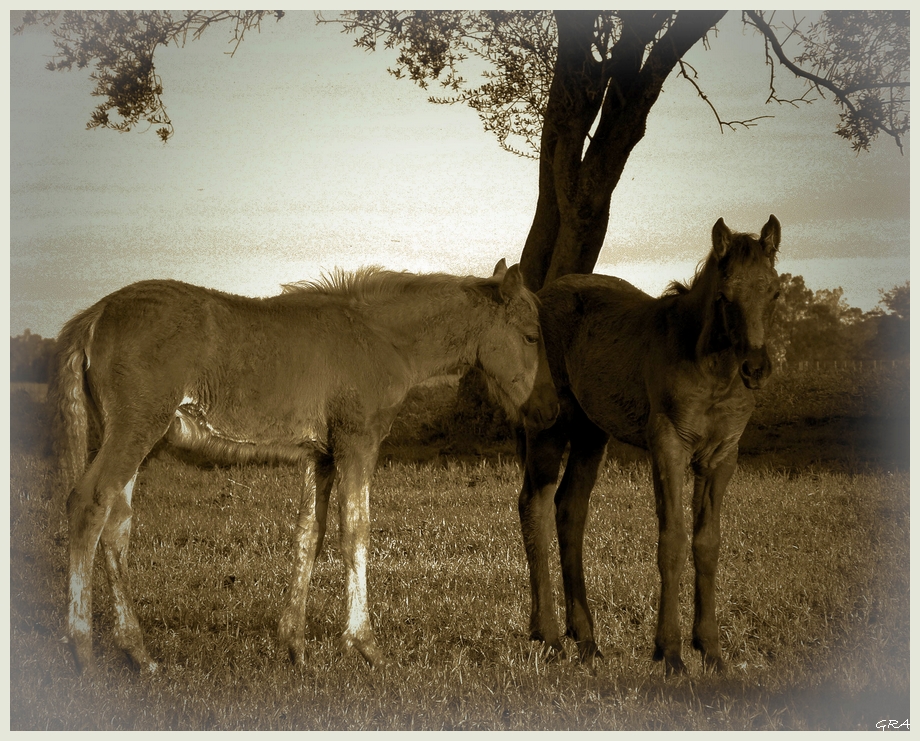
(267, 380)
(623, 416)
(606, 378)
(194, 430)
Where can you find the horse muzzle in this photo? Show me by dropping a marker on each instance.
(756, 368)
(541, 408)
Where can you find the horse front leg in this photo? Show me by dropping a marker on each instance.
(669, 462)
(572, 497)
(709, 486)
(542, 456)
(356, 468)
(308, 541)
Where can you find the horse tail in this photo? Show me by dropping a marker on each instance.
(73, 408)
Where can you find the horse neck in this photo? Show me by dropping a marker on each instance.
(434, 332)
(697, 309)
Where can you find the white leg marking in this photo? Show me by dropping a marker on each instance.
(358, 618)
(77, 624)
(129, 488)
(357, 592)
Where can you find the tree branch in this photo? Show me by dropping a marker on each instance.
(756, 19)
(747, 123)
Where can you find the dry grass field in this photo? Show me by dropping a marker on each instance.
(813, 595)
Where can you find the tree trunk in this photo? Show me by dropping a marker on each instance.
(577, 181)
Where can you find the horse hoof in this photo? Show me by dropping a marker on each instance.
(86, 669)
(712, 659)
(368, 649)
(297, 653)
(675, 667)
(297, 656)
(673, 663)
(588, 652)
(553, 652)
(373, 656)
(82, 657)
(552, 649)
(144, 665)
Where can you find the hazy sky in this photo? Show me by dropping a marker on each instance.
(301, 154)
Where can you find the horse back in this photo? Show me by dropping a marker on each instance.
(261, 370)
(595, 328)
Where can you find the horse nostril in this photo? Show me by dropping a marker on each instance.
(755, 371)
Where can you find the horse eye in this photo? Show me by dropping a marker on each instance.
(531, 339)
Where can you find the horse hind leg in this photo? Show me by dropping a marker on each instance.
(116, 535)
(100, 491)
(310, 531)
(99, 508)
(86, 515)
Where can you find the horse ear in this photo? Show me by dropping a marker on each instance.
(769, 237)
(500, 267)
(721, 238)
(512, 283)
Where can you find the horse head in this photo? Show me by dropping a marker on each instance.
(511, 353)
(745, 295)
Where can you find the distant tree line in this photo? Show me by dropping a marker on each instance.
(809, 326)
(820, 326)
(30, 357)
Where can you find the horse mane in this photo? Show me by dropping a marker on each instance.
(679, 288)
(744, 247)
(373, 284)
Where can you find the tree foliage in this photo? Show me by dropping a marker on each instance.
(120, 46)
(513, 51)
(574, 88)
(860, 57)
(897, 301)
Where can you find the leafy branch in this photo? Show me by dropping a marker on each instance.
(120, 45)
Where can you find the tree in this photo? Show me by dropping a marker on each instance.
(121, 46)
(891, 331)
(573, 87)
(897, 301)
(814, 325)
(819, 325)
